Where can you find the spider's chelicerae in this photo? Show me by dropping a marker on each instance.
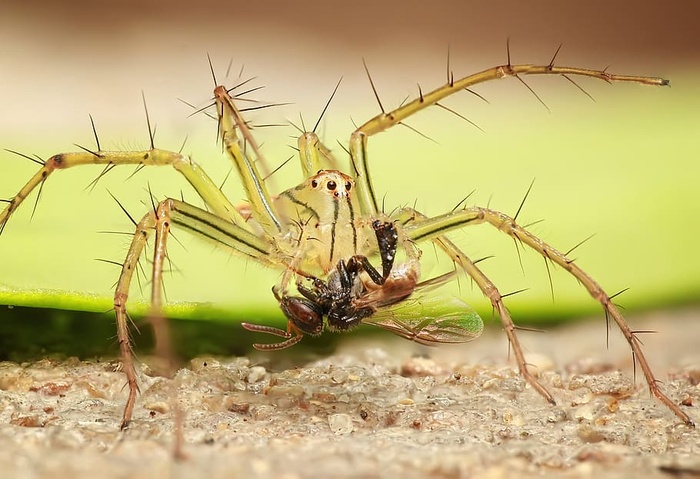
(326, 233)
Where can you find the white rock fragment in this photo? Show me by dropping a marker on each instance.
(586, 412)
(340, 423)
(256, 373)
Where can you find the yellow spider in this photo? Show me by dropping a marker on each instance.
(325, 233)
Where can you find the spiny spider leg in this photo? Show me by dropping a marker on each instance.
(171, 212)
(385, 120)
(200, 181)
(313, 154)
(240, 148)
(431, 228)
(408, 217)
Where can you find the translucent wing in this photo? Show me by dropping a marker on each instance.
(430, 318)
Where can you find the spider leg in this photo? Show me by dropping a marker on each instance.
(121, 294)
(386, 120)
(408, 216)
(245, 154)
(434, 228)
(230, 120)
(215, 200)
(314, 155)
(168, 213)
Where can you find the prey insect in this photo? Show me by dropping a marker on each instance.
(323, 234)
(346, 299)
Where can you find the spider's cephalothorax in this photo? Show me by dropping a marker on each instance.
(324, 221)
(326, 230)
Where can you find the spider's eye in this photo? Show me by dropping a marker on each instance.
(314, 183)
(331, 185)
(348, 185)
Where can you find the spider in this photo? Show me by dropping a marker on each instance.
(322, 233)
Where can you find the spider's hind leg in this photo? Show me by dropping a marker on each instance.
(433, 228)
(409, 216)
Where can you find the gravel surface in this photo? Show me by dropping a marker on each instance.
(379, 407)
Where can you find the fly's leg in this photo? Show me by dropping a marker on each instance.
(408, 216)
(167, 214)
(387, 244)
(431, 228)
(386, 120)
(200, 181)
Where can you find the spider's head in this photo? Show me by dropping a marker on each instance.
(331, 183)
(326, 208)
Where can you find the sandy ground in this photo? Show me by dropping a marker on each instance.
(379, 407)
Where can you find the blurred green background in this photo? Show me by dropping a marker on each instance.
(623, 167)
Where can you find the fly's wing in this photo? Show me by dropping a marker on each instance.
(430, 319)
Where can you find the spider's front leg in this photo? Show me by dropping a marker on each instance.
(388, 119)
(193, 173)
(161, 219)
(433, 228)
(243, 150)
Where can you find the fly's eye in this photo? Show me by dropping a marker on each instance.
(314, 183)
(348, 185)
(331, 185)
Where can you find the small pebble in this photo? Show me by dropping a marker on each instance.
(340, 423)
(255, 374)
